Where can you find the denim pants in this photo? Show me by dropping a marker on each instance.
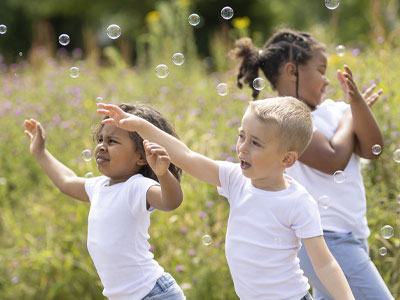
(165, 288)
(353, 257)
(307, 297)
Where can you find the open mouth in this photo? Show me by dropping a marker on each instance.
(244, 165)
(100, 160)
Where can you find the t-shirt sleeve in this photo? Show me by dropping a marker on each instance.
(90, 186)
(305, 218)
(138, 188)
(227, 175)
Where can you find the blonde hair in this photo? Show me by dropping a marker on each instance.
(290, 117)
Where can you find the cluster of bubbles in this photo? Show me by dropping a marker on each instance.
(227, 13)
(162, 71)
(222, 89)
(339, 176)
(64, 39)
(87, 155)
(113, 31)
(332, 4)
(259, 83)
(74, 72)
(206, 240)
(340, 50)
(3, 29)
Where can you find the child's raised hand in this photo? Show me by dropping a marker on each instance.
(37, 136)
(370, 97)
(157, 157)
(117, 116)
(348, 85)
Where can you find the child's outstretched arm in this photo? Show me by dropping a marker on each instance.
(168, 195)
(64, 178)
(327, 268)
(365, 126)
(189, 161)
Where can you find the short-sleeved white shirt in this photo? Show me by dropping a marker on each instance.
(263, 236)
(117, 237)
(346, 202)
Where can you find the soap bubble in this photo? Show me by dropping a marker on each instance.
(3, 29)
(222, 89)
(74, 72)
(227, 12)
(113, 31)
(99, 100)
(376, 149)
(332, 4)
(387, 231)
(64, 39)
(259, 83)
(194, 19)
(20, 54)
(339, 176)
(324, 201)
(178, 59)
(340, 50)
(382, 251)
(89, 175)
(206, 240)
(396, 156)
(87, 155)
(162, 71)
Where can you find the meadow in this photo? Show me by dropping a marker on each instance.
(43, 251)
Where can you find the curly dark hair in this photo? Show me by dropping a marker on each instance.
(151, 115)
(284, 46)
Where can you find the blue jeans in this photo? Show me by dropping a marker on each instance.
(353, 257)
(307, 297)
(165, 288)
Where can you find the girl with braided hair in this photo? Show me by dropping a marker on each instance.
(295, 65)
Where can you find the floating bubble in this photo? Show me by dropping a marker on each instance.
(194, 19)
(162, 71)
(64, 39)
(227, 13)
(99, 99)
(259, 83)
(339, 176)
(89, 175)
(113, 31)
(178, 59)
(396, 156)
(222, 89)
(74, 72)
(206, 240)
(324, 201)
(340, 50)
(387, 231)
(382, 251)
(332, 4)
(87, 155)
(376, 149)
(3, 29)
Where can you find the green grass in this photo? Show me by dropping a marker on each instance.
(43, 251)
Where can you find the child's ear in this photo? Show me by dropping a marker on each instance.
(289, 69)
(289, 159)
(141, 161)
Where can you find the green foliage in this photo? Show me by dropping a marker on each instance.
(43, 251)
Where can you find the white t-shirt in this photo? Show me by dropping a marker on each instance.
(346, 203)
(263, 236)
(117, 237)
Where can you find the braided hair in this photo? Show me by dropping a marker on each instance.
(284, 46)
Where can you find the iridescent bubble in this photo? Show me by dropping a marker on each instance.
(162, 71)
(99, 99)
(387, 231)
(339, 176)
(113, 31)
(341, 50)
(227, 12)
(178, 59)
(396, 156)
(194, 19)
(382, 251)
(89, 175)
(376, 149)
(64, 39)
(259, 83)
(206, 240)
(87, 155)
(324, 201)
(332, 4)
(222, 89)
(3, 29)
(74, 72)
(20, 54)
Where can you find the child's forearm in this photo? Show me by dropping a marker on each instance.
(171, 191)
(332, 277)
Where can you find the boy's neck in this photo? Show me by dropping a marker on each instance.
(274, 184)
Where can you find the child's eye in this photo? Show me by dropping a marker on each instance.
(99, 140)
(240, 136)
(256, 143)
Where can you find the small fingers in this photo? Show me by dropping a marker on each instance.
(369, 91)
(347, 69)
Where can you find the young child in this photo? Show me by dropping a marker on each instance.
(295, 65)
(269, 211)
(134, 182)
